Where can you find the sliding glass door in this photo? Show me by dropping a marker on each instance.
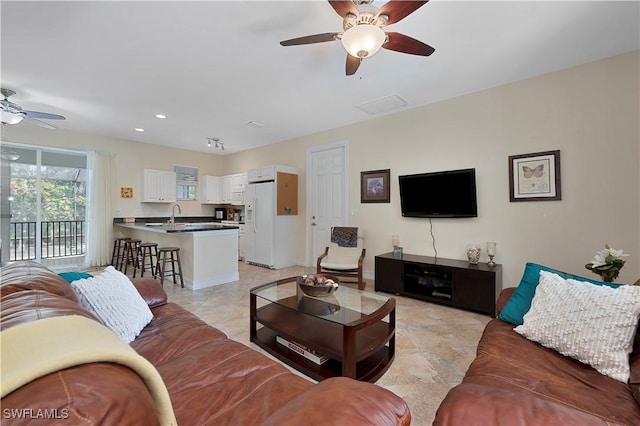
(43, 205)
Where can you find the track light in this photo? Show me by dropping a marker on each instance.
(216, 143)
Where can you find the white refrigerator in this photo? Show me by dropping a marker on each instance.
(270, 239)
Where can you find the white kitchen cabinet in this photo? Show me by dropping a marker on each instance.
(239, 181)
(227, 182)
(211, 190)
(228, 189)
(261, 174)
(158, 186)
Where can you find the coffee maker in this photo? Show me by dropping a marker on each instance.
(220, 213)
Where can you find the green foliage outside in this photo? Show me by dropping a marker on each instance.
(63, 195)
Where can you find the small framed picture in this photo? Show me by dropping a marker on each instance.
(126, 192)
(374, 186)
(535, 177)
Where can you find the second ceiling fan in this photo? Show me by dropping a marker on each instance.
(363, 35)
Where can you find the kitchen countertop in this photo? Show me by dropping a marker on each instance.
(177, 227)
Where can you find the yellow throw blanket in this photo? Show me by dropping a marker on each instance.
(41, 347)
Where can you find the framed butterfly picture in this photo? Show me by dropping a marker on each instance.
(535, 177)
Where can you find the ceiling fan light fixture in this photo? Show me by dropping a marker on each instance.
(363, 41)
(8, 117)
(9, 155)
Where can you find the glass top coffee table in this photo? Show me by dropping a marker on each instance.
(348, 333)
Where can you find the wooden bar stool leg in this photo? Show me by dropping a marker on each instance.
(180, 269)
(173, 267)
(162, 264)
(131, 255)
(138, 256)
(154, 269)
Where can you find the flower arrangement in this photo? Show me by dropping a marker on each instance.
(607, 263)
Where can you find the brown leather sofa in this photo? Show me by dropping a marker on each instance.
(211, 379)
(514, 381)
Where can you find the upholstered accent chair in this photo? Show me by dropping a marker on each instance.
(344, 262)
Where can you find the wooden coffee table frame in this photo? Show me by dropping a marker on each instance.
(362, 349)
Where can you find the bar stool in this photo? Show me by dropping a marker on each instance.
(118, 254)
(130, 253)
(146, 251)
(163, 258)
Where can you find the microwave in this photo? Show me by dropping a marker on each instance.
(237, 197)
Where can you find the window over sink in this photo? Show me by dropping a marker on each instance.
(186, 182)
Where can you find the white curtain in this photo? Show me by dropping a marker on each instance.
(99, 231)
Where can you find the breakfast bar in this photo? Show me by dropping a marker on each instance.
(209, 251)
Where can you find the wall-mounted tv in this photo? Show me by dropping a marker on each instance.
(449, 193)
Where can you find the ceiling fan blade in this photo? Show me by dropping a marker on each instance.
(399, 9)
(344, 7)
(316, 38)
(405, 44)
(31, 120)
(352, 64)
(45, 115)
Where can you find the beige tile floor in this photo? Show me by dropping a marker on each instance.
(434, 344)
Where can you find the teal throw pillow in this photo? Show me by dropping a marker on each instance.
(520, 302)
(73, 276)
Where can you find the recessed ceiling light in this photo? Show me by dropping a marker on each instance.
(161, 116)
(138, 129)
(255, 124)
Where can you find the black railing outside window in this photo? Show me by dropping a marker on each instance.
(59, 238)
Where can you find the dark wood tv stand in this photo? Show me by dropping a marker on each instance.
(450, 282)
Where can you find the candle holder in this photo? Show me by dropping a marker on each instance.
(397, 250)
(473, 253)
(491, 252)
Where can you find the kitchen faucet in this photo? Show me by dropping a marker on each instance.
(173, 213)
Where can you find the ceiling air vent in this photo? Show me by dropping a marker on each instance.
(384, 104)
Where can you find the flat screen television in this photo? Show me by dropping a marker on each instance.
(449, 193)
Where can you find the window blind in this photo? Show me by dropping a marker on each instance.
(186, 182)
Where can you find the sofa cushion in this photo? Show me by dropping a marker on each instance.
(520, 301)
(151, 291)
(29, 275)
(114, 300)
(310, 407)
(516, 381)
(26, 306)
(594, 324)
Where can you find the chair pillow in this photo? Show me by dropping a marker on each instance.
(520, 301)
(114, 300)
(73, 276)
(594, 324)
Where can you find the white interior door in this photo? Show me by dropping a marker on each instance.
(327, 203)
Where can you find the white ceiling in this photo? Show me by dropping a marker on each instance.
(213, 66)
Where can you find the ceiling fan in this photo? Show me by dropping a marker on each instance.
(11, 113)
(363, 35)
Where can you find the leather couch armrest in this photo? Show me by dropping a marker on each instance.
(151, 291)
(503, 298)
(343, 401)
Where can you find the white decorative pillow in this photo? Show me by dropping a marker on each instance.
(591, 323)
(114, 300)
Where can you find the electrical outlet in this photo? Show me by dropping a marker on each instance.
(354, 212)
(118, 212)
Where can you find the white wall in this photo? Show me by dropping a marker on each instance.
(590, 113)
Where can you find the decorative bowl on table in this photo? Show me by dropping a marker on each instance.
(317, 285)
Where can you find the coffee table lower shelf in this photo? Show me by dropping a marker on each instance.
(369, 369)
